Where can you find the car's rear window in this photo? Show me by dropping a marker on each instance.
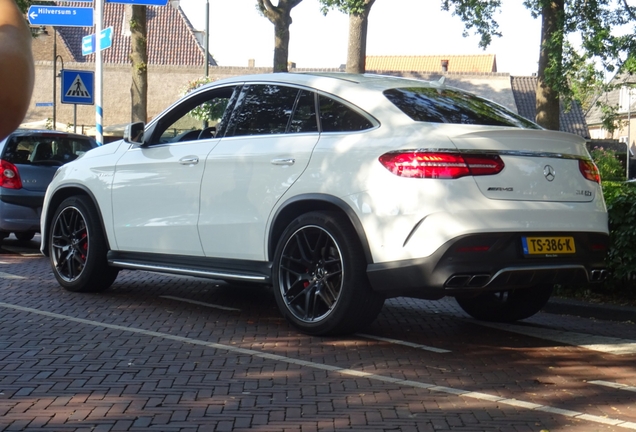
(34, 149)
(444, 105)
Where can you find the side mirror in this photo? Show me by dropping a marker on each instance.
(134, 133)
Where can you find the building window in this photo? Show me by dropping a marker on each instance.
(625, 98)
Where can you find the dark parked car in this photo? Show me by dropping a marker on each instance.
(28, 161)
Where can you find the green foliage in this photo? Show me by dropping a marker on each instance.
(605, 31)
(610, 116)
(620, 287)
(141, 68)
(620, 198)
(608, 164)
(354, 7)
(477, 15)
(208, 111)
(586, 82)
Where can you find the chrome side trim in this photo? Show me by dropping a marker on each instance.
(186, 272)
(520, 153)
(496, 152)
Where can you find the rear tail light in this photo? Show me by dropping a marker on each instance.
(9, 177)
(441, 165)
(589, 170)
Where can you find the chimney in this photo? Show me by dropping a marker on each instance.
(251, 63)
(444, 65)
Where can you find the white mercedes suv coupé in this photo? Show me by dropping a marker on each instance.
(340, 191)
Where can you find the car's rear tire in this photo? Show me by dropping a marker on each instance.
(25, 236)
(77, 247)
(319, 276)
(506, 306)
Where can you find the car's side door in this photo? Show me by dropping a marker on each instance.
(156, 185)
(265, 149)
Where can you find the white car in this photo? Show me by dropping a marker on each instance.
(340, 191)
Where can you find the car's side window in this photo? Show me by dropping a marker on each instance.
(336, 117)
(264, 109)
(304, 118)
(201, 117)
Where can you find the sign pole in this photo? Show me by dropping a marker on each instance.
(99, 112)
(54, 77)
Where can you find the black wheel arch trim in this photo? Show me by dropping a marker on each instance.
(51, 211)
(305, 203)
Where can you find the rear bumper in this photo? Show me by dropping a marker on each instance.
(20, 217)
(490, 262)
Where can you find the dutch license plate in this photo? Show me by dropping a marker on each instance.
(548, 245)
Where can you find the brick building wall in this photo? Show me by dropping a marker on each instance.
(165, 86)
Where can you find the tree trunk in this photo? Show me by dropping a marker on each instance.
(357, 49)
(550, 60)
(139, 58)
(281, 41)
(280, 16)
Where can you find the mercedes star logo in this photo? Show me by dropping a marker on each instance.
(549, 173)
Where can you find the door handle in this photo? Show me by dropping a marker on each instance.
(189, 160)
(284, 162)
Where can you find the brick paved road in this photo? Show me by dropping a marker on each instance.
(140, 357)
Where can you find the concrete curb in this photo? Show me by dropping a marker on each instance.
(561, 306)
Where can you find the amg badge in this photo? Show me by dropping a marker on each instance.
(501, 189)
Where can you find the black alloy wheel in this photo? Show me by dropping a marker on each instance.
(78, 248)
(320, 280)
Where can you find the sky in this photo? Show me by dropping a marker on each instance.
(396, 27)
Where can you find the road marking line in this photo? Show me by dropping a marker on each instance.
(604, 344)
(348, 372)
(4, 275)
(614, 385)
(210, 305)
(405, 343)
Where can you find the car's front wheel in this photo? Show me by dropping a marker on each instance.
(320, 280)
(506, 306)
(77, 247)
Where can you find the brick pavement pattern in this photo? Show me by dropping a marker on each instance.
(135, 358)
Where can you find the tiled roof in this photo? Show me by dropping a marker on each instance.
(524, 89)
(171, 38)
(594, 115)
(485, 63)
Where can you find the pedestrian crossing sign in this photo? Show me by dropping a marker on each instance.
(77, 87)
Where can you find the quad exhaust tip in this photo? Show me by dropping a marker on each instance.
(474, 281)
(482, 280)
(598, 275)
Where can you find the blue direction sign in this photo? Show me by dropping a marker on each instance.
(61, 16)
(141, 2)
(78, 86)
(105, 41)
